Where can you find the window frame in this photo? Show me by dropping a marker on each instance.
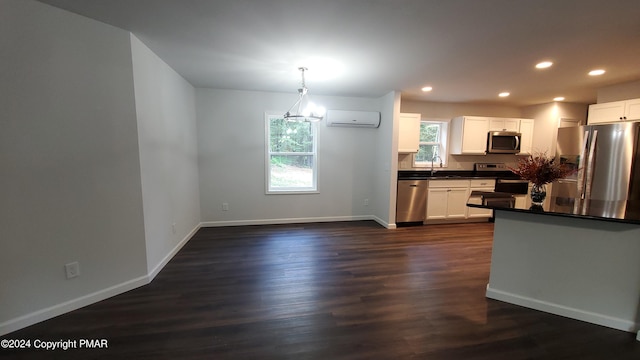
(314, 154)
(442, 144)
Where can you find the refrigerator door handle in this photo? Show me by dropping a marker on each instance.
(581, 172)
(590, 164)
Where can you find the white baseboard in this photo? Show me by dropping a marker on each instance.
(573, 313)
(73, 304)
(383, 223)
(172, 253)
(291, 221)
(77, 303)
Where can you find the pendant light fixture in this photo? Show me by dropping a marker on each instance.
(305, 110)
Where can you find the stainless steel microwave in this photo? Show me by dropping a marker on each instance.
(503, 142)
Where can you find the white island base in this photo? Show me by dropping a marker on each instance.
(579, 268)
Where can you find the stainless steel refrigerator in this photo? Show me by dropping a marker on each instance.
(607, 157)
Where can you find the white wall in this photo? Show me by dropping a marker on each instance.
(165, 105)
(623, 91)
(386, 164)
(546, 119)
(579, 268)
(70, 179)
(231, 143)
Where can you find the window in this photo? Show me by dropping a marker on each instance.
(292, 156)
(433, 143)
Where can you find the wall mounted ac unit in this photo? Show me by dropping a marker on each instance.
(369, 119)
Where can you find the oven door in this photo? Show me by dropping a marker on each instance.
(503, 142)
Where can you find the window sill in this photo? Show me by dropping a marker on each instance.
(291, 192)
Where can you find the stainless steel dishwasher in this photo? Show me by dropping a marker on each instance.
(411, 203)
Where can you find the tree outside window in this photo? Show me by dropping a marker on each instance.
(432, 143)
(291, 156)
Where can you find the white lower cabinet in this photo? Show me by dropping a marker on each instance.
(457, 203)
(480, 185)
(447, 200)
(521, 201)
(437, 200)
(447, 203)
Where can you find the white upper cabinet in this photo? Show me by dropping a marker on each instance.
(632, 109)
(409, 133)
(469, 135)
(614, 111)
(605, 112)
(526, 140)
(504, 124)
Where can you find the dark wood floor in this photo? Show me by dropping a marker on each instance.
(350, 290)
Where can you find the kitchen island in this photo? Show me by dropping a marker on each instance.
(571, 257)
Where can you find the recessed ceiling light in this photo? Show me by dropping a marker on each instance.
(559, 98)
(543, 65)
(596, 72)
(504, 94)
(427, 88)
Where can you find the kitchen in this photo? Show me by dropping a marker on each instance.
(607, 168)
(542, 123)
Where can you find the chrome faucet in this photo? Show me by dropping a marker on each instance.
(432, 159)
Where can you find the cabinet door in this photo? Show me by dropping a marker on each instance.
(632, 109)
(498, 124)
(476, 212)
(474, 136)
(521, 201)
(437, 203)
(605, 112)
(409, 133)
(457, 203)
(526, 141)
(512, 124)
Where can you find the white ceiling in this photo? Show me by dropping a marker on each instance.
(468, 50)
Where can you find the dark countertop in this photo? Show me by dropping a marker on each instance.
(617, 211)
(453, 174)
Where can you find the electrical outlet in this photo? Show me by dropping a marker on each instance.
(225, 206)
(72, 269)
(366, 202)
(173, 228)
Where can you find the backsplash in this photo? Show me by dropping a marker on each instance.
(460, 162)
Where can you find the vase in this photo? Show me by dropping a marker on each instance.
(538, 194)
